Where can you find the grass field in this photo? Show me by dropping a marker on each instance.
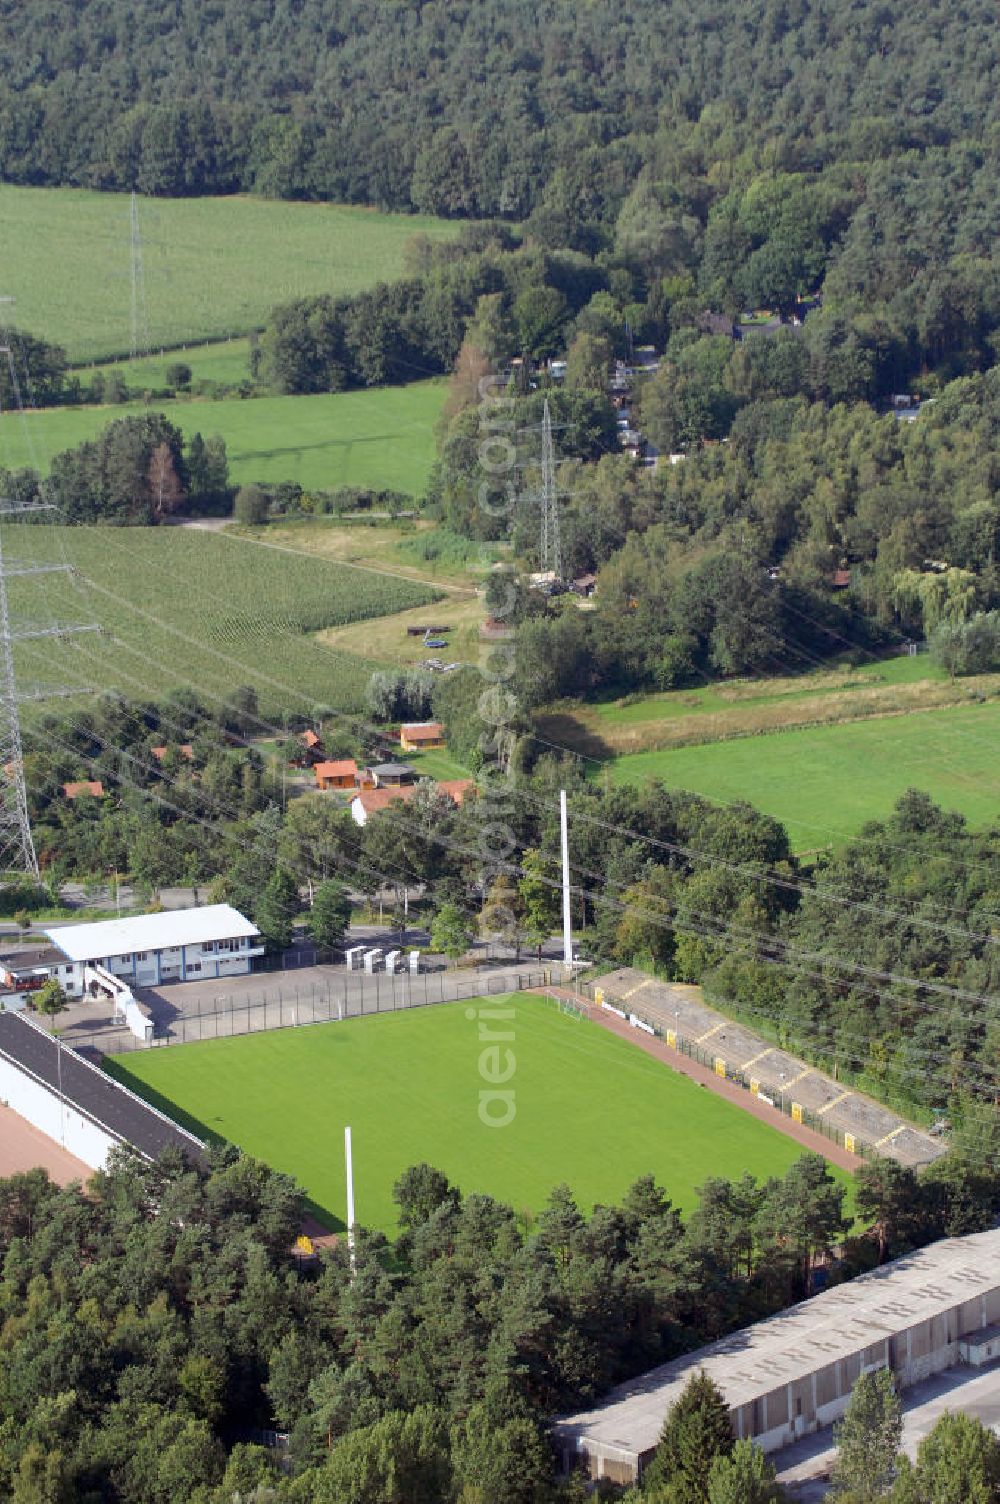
(748, 707)
(591, 1109)
(226, 361)
(386, 640)
(212, 266)
(436, 764)
(182, 606)
(823, 783)
(417, 548)
(381, 438)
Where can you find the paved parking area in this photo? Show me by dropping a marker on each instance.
(805, 1468)
(212, 1008)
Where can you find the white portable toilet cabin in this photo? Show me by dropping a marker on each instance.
(352, 957)
(392, 961)
(373, 959)
(414, 962)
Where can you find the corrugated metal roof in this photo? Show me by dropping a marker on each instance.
(798, 1341)
(120, 937)
(111, 1106)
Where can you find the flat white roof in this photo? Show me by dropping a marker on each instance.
(120, 937)
(798, 1341)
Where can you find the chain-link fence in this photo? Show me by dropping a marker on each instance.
(351, 995)
(781, 1101)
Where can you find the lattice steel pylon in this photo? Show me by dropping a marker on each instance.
(17, 847)
(551, 550)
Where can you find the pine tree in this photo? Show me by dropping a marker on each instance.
(330, 914)
(868, 1438)
(276, 911)
(696, 1431)
(744, 1477)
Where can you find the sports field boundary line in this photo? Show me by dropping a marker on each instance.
(683, 1065)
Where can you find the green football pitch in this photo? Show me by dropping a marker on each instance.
(590, 1109)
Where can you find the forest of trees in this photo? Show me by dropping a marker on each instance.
(152, 1329)
(727, 159)
(748, 537)
(486, 109)
(137, 471)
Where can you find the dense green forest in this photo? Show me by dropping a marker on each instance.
(153, 1329)
(744, 155)
(813, 532)
(483, 109)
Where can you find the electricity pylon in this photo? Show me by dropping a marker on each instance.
(551, 550)
(17, 848)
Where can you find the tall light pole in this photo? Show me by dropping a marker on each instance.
(349, 1161)
(567, 919)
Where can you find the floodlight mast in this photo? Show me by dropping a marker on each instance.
(567, 913)
(349, 1161)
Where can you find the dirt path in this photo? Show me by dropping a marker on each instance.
(25, 1147)
(685, 1066)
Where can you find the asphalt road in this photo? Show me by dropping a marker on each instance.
(804, 1469)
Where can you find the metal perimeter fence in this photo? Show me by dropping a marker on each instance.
(781, 1101)
(294, 1005)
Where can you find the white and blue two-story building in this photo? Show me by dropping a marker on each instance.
(178, 945)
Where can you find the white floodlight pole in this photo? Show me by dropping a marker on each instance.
(567, 919)
(349, 1159)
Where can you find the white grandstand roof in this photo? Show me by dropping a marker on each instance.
(798, 1341)
(174, 927)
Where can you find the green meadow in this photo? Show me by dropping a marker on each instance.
(383, 437)
(590, 1109)
(825, 782)
(225, 361)
(211, 266)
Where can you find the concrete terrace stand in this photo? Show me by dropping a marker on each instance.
(793, 1374)
(76, 1104)
(681, 1014)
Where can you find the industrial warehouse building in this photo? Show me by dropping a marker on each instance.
(175, 946)
(793, 1373)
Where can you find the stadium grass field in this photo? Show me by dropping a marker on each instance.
(383, 437)
(823, 783)
(591, 1110)
(212, 266)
